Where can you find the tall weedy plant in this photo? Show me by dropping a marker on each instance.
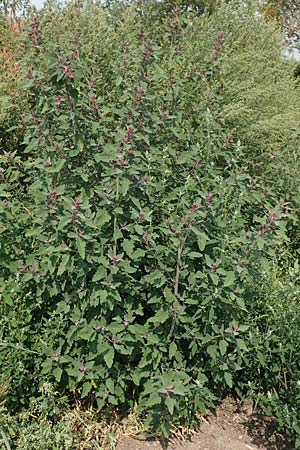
(137, 233)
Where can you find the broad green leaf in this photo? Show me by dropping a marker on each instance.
(63, 265)
(165, 428)
(100, 402)
(115, 327)
(57, 166)
(265, 264)
(86, 389)
(102, 217)
(108, 154)
(201, 407)
(109, 357)
(170, 403)
(110, 385)
(128, 246)
(195, 255)
(28, 276)
(212, 351)
(119, 80)
(261, 358)
(62, 223)
(84, 177)
(32, 232)
(57, 373)
(230, 279)
(242, 344)
(260, 243)
(152, 277)
(100, 274)
(179, 390)
(201, 240)
(172, 350)
(124, 186)
(215, 278)
(154, 399)
(139, 253)
(81, 247)
(223, 347)
(80, 144)
(160, 317)
(228, 379)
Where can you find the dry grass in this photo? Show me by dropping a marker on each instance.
(98, 432)
(103, 433)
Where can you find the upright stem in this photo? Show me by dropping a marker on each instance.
(176, 284)
(115, 217)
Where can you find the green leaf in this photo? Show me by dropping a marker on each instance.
(109, 357)
(172, 350)
(201, 241)
(195, 255)
(154, 399)
(57, 373)
(136, 378)
(161, 316)
(230, 279)
(165, 428)
(228, 379)
(179, 390)
(128, 247)
(100, 402)
(265, 264)
(63, 265)
(28, 276)
(86, 389)
(119, 80)
(56, 167)
(116, 327)
(81, 247)
(32, 232)
(201, 407)
(223, 347)
(80, 143)
(154, 276)
(139, 253)
(124, 186)
(170, 403)
(62, 223)
(108, 154)
(215, 278)
(260, 243)
(100, 274)
(102, 217)
(242, 344)
(84, 177)
(261, 358)
(110, 385)
(212, 351)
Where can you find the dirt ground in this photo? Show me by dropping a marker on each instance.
(232, 428)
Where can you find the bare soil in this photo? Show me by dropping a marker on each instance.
(232, 428)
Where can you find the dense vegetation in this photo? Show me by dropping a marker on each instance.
(149, 192)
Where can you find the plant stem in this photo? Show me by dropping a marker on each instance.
(115, 218)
